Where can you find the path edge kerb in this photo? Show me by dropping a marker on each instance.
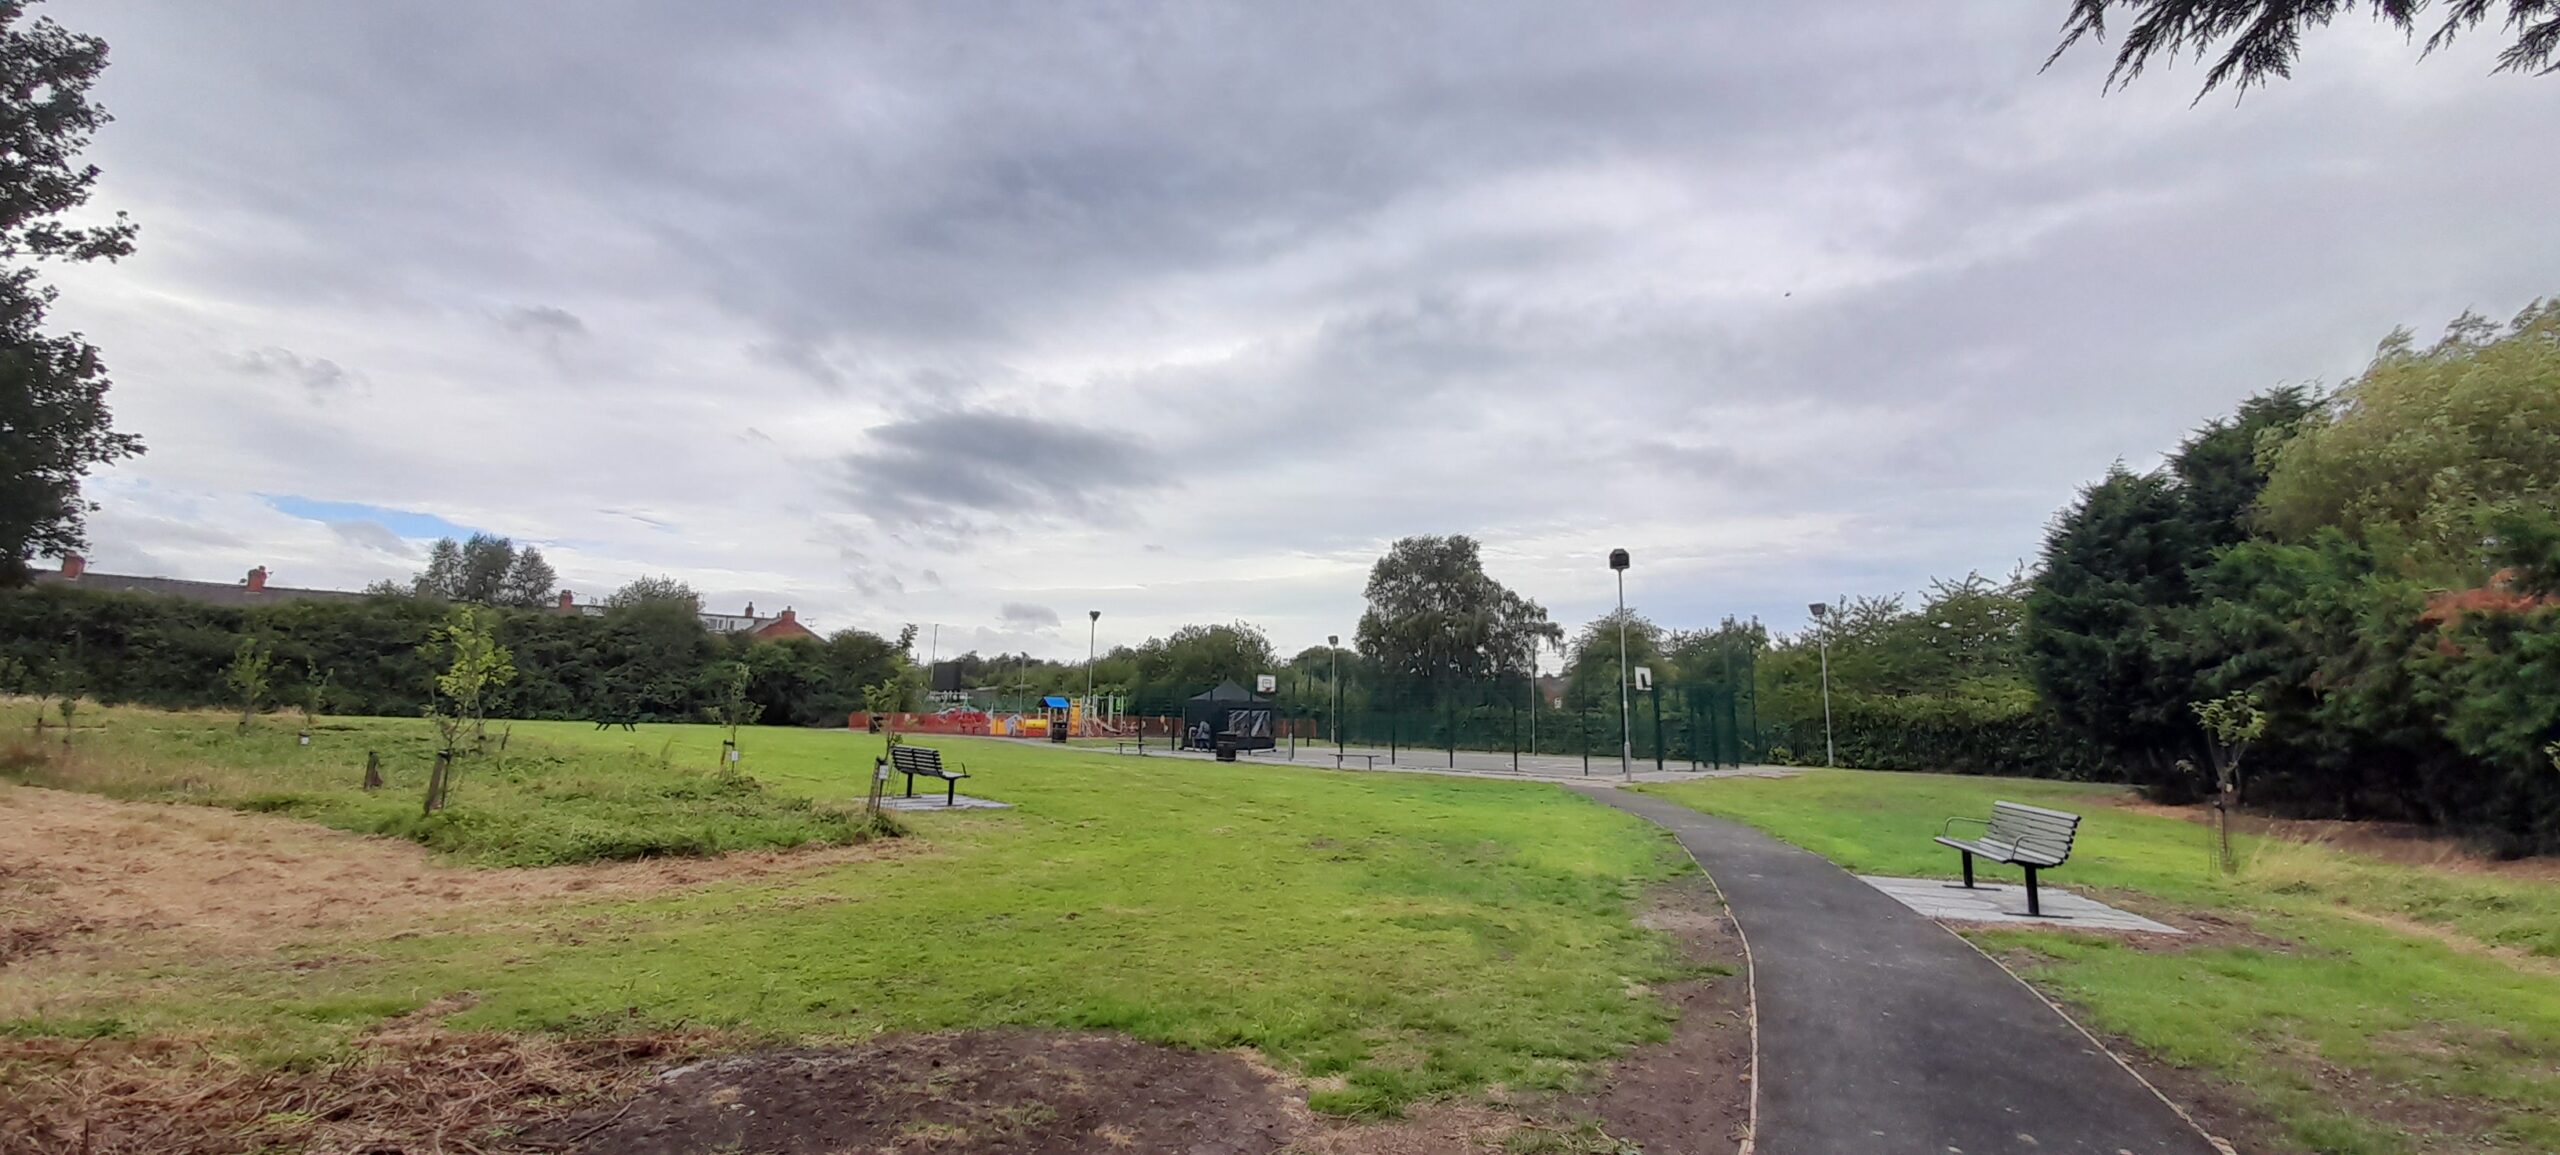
(1750, 967)
(2216, 1141)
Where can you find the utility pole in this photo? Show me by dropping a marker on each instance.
(1093, 628)
(1619, 561)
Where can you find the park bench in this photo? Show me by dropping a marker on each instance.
(610, 721)
(2020, 835)
(925, 760)
(1367, 761)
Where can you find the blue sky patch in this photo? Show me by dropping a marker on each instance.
(400, 521)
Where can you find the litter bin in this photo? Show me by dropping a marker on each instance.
(1226, 747)
(1058, 732)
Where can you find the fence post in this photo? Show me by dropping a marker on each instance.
(1657, 727)
(1580, 720)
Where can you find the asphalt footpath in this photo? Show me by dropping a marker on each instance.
(1882, 1033)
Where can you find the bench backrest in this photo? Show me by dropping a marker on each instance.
(919, 759)
(2036, 833)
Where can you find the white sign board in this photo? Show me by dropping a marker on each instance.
(1265, 683)
(1644, 677)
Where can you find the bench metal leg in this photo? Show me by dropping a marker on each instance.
(911, 785)
(1968, 868)
(950, 791)
(2033, 911)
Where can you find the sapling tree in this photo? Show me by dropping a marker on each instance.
(315, 695)
(315, 698)
(248, 677)
(2231, 723)
(735, 710)
(884, 698)
(474, 664)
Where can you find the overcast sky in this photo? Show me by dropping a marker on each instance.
(989, 315)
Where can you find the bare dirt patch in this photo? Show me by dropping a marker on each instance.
(408, 1086)
(978, 1092)
(1690, 1095)
(77, 871)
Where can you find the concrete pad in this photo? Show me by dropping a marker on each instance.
(1994, 902)
(922, 803)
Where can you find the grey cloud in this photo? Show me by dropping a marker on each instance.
(1023, 616)
(317, 374)
(542, 323)
(1268, 283)
(371, 535)
(950, 474)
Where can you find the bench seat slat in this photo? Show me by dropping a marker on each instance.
(2005, 852)
(923, 760)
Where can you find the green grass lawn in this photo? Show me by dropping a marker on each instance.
(1413, 936)
(2353, 1037)
(556, 793)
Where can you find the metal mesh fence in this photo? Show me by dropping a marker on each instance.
(1702, 724)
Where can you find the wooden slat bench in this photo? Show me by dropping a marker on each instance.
(925, 760)
(2025, 836)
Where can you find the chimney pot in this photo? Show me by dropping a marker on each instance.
(73, 565)
(258, 579)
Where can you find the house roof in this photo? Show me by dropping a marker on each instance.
(212, 593)
(1226, 692)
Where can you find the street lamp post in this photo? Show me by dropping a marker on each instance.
(1626, 725)
(1822, 634)
(1093, 628)
(1333, 646)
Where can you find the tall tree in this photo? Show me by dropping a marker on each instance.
(1592, 674)
(2428, 445)
(643, 590)
(530, 581)
(2110, 633)
(2115, 566)
(1203, 656)
(2261, 38)
(54, 424)
(486, 558)
(486, 570)
(1435, 616)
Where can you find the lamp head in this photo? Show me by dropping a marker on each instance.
(1617, 559)
(1819, 610)
(1333, 639)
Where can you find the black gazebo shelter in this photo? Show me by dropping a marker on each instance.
(1228, 709)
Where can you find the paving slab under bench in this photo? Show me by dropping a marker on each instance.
(2001, 903)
